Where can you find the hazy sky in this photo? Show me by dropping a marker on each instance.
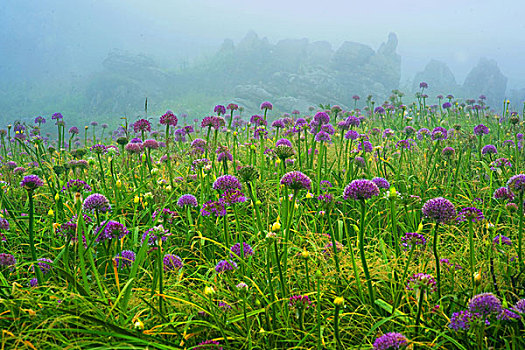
(42, 37)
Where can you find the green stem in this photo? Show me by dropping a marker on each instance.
(436, 257)
(362, 253)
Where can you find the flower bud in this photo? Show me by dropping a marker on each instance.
(50, 212)
(305, 254)
(119, 184)
(276, 226)
(339, 301)
(57, 196)
(209, 291)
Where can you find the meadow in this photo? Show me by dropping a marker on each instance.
(388, 227)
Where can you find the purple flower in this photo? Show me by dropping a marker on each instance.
(133, 148)
(448, 152)
(447, 105)
(388, 133)
(517, 183)
(142, 125)
(365, 146)
(97, 202)
(266, 105)
(78, 185)
(323, 136)
(439, 209)
(502, 240)
(379, 110)
(489, 149)
(57, 116)
(470, 213)
(74, 130)
(33, 282)
(109, 230)
(150, 144)
(40, 120)
(413, 239)
(296, 180)
(484, 304)
(328, 248)
(351, 135)
(225, 265)
(321, 118)
(212, 207)
(520, 306)
(361, 189)
(480, 130)
(31, 182)
(439, 133)
(236, 250)
(4, 224)
(219, 109)
(227, 182)
(423, 85)
(155, 233)
(232, 107)
(381, 182)
(503, 193)
(462, 320)
(278, 123)
(284, 142)
(125, 258)
(7, 260)
(230, 197)
(172, 262)
(301, 301)
(187, 200)
(208, 345)
(422, 281)
(421, 133)
(390, 341)
(360, 162)
(508, 315)
(44, 265)
(404, 144)
(98, 149)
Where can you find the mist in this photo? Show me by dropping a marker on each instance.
(52, 51)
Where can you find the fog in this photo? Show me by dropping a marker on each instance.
(58, 42)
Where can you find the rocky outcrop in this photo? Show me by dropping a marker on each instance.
(486, 79)
(439, 78)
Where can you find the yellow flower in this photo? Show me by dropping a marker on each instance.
(57, 197)
(50, 212)
(138, 323)
(305, 254)
(136, 199)
(309, 195)
(339, 301)
(276, 226)
(209, 291)
(119, 184)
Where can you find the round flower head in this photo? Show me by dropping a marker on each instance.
(168, 118)
(422, 281)
(133, 147)
(390, 341)
(77, 185)
(74, 130)
(470, 213)
(321, 118)
(99, 149)
(439, 133)
(517, 183)
(227, 182)
(381, 182)
(448, 152)
(110, 230)
(413, 239)
(225, 265)
(141, 125)
(7, 260)
(481, 130)
(484, 304)
(365, 146)
(187, 200)
(351, 135)
(125, 258)
(503, 193)
(230, 197)
(97, 202)
(284, 142)
(508, 315)
(150, 144)
(31, 182)
(489, 149)
(361, 190)
(296, 180)
(266, 105)
(212, 207)
(236, 250)
(323, 136)
(439, 209)
(4, 224)
(172, 262)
